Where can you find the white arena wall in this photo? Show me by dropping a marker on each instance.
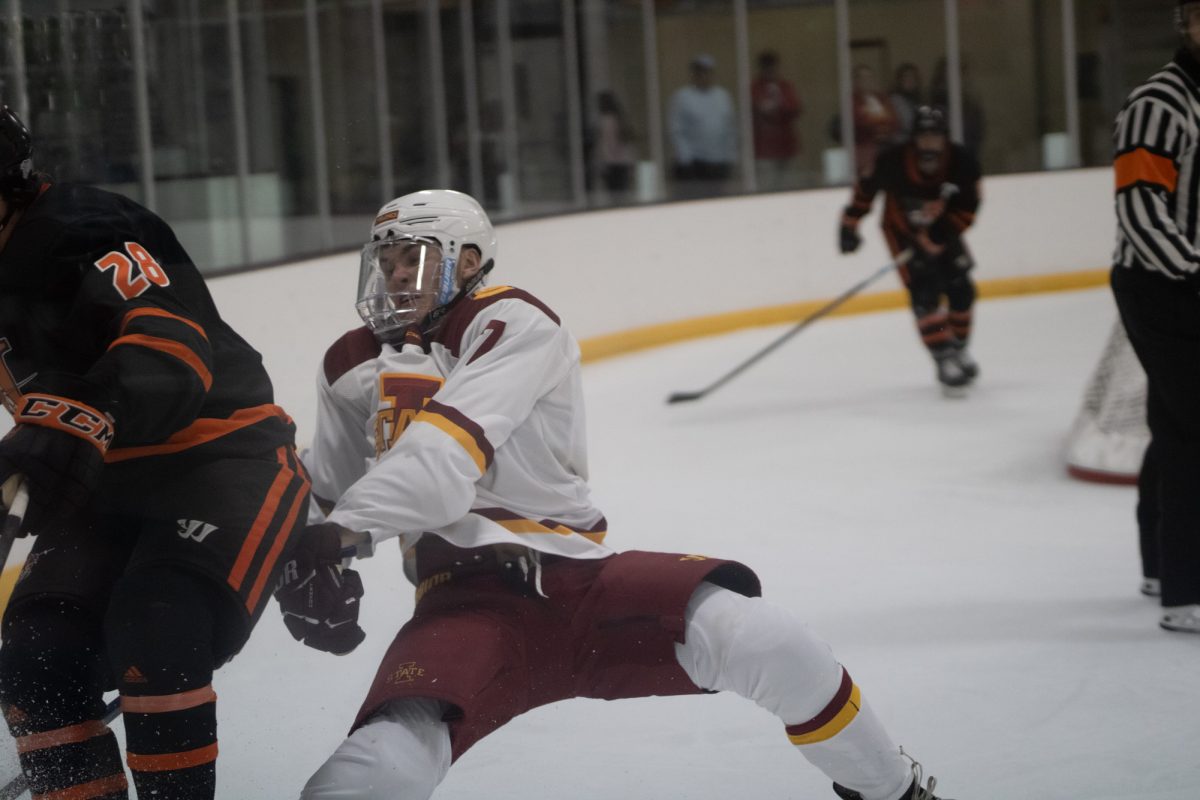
(678, 266)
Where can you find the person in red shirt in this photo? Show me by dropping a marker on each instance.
(875, 121)
(776, 108)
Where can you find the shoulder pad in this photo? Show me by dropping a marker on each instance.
(351, 349)
(459, 319)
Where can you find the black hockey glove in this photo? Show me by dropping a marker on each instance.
(848, 239)
(58, 444)
(318, 598)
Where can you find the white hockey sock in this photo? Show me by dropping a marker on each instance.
(402, 752)
(762, 652)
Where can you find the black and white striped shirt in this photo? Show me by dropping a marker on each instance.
(1157, 176)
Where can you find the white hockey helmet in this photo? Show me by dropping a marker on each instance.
(409, 269)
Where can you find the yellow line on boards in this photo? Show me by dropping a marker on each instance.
(615, 344)
(622, 342)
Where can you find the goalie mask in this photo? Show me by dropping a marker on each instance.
(412, 269)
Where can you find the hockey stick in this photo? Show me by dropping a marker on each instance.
(18, 785)
(900, 260)
(13, 521)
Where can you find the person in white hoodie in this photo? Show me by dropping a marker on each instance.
(703, 132)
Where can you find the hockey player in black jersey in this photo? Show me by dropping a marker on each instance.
(164, 489)
(931, 190)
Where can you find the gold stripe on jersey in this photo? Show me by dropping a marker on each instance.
(459, 434)
(489, 291)
(514, 523)
(526, 526)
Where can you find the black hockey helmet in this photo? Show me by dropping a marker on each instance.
(930, 119)
(16, 158)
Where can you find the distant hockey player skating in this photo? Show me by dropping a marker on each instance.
(931, 190)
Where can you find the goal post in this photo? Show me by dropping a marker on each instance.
(1109, 435)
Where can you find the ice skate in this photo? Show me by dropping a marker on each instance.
(1151, 587)
(951, 375)
(1181, 619)
(967, 362)
(915, 790)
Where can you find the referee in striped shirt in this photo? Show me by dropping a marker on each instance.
(1156, 282)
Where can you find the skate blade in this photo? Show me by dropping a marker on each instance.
(954, 391)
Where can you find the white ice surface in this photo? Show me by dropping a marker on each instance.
(986, 603)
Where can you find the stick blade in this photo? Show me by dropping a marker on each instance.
(684, 397)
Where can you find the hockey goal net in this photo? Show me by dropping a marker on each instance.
(1109, 436)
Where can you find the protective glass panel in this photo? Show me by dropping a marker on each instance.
(619, 149)
(68, 70)
(794, 95)
(1120, 44)
(697, 65)
(1014, 96)
(898, 62)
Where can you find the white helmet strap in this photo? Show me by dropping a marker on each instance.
(435, 316)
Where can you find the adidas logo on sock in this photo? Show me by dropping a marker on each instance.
(133, 675)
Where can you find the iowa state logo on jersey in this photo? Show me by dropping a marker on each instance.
(401, 398)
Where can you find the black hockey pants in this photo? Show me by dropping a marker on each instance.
(1162, 319)
(929, 279)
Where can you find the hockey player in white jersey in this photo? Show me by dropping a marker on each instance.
(453, 421)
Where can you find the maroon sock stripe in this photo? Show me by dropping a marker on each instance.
(842, 709)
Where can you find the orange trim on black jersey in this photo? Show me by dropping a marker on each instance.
(167, 762)
(961, 220)
(171, 347)
(265, 513)
(167, 703)
(158, 312)
(101, 787)
(68, 416)
(1140, 166)
(201, 432)
(60, 736)
(280, 538)
(893, 217)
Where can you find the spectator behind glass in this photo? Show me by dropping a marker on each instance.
(906, 97)
(973, 122)
(874, 120)
(776, 107)
(703, 133)
(614, 148)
